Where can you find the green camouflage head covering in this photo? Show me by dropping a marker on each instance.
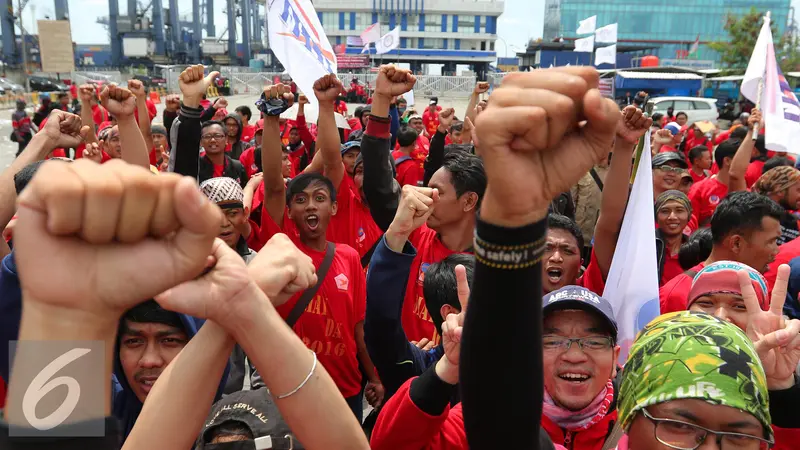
(688, 355)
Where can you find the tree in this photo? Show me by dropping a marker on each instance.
(742, 35)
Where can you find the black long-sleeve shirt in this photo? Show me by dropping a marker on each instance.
(505, 306)
(435, 156)
(380, 188)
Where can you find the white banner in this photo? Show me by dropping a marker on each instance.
(632, 286)
(778, 103)
(354, 41)
(585, 45)
(298, 40)
(606, 55)
(388, 42)
(606, 34)
(587, 26)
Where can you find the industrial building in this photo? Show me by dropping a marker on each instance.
(152, 33)
(670, 27)
(447, 32)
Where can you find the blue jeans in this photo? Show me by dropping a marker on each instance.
(356, 405)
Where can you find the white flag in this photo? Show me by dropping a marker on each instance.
(606, 34)
(298, 40)
(409, 96)
(632, 286)
(585, 45)
(695, 46)
(372, 33)
(587, 26)
(778, 103)
(365, 49)
(606, 55)
(388, 42)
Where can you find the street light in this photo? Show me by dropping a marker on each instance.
(505, 44)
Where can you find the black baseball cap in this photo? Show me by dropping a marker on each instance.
(254, 410)
(662, 158)
(577, 297)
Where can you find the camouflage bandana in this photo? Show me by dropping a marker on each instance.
(688, 355)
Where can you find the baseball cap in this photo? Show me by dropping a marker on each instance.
(350, 145)
(673, 128)
(662, 158)
(577, 297)
(254, 410)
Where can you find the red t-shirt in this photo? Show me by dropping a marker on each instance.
(248, 131)
(218, 170)
(328, 325)
(417, 323)
(431, 120)
(697, 178)
(248, 160)
(592, 278)
(667, 148)
(99, 114)
(672, 268)
(786, 253)
(353, 224)
(705, 196)
(754, 172)
(674, 294)
(692, 142)
(410, 171)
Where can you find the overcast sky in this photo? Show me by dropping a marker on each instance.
(522, 20)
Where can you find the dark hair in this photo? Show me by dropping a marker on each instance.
(726, 150)
(464, 148)
(151, 312)
(211, 123)
(62, 95)
(561, 222)
(302, 181)
(776, 161)
(457, 126)
(359, 112)
(696, 152)
(228, 429)
(696, 249)
(738, 134)
(245, 111)
(742, 213)
(761, 146)
(25, 175)
(407, 136)
(466, 173)
(657, 118)
(681, 112)
(440, 287)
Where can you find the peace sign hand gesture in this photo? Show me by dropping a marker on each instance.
(452, 328)
(776, 339)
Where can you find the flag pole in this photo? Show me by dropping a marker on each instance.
(757, 125)
(637, 158)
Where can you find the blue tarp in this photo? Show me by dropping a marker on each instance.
(685, 88)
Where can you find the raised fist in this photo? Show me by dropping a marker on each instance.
(281, 270)
(416, 205)
(634, 124)
(302, 99)
(541, 132)
(481, 87)
(86, 230)
(119, 101)
(86, 92)
(63, 129)
(221, 103)
(663, 136)
(327, 89)
(393, 81)
(194, 83)
(172, 102)
(446, 118)
(279, 90)
(92, 152)
(137, 88)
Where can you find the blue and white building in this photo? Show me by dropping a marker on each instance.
(448, 32)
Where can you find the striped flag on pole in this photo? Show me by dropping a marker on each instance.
(632, 286)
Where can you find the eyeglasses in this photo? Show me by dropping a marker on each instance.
(687, 436)
(210, 137)
(666, 168)
(593, 343)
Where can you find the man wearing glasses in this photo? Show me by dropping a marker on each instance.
(668, 168)
(580, 363)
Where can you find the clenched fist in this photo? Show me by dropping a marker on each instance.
(327, 89)
(416, 205)
(393, 81)
(634, 124)
(86, 231)
(172, 102)
(541, 132)
(281, 270)
(119, 101)
(86, 92)
(137, 88)
(62, 130)
(194, 84)
(446, 118)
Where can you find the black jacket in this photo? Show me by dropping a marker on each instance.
(238, 147)
(185, 159)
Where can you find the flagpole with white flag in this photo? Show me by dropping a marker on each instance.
(632, 286)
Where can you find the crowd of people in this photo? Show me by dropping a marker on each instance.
(418, 281)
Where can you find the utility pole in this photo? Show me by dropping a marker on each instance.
(22, 34)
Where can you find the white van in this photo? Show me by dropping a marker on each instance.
(697, 108)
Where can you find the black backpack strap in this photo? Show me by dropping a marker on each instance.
(401, 159)
(368, 256)
(597, 179)
(690, 273)
(308, 294)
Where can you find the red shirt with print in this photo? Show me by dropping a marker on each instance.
(674, 294)
(417, 323)
(410, 170)
(705, 196)
(753, 173)
(430, 119)
(328, 324)
(353, 224)
(248, 131)
(248, 160)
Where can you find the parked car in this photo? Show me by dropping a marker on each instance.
(697, 108)
(151, 82)
(10, 87)
(42, 84)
